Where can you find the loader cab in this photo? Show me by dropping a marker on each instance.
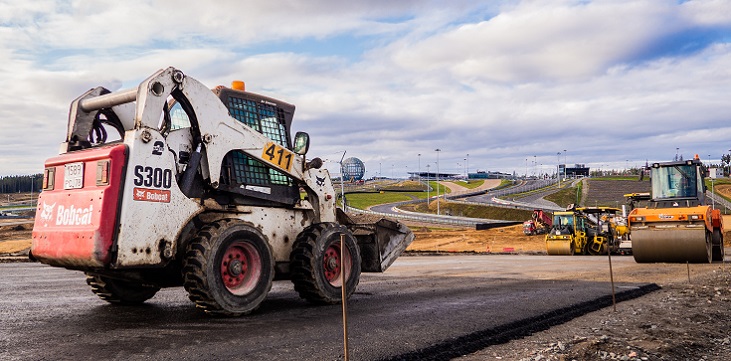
(253, 182)
(677, 184)
(245, 180)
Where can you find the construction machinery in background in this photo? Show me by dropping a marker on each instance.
(539, 223)
(171, 184)
(677, 225)
(586, 230)
(633, 200)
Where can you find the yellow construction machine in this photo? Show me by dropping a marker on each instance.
(586, 230)
(676, 225)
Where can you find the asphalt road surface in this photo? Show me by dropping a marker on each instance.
(422, 307)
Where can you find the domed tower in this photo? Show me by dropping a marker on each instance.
(353, 169)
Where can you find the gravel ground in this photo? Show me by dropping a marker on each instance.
(681, 321)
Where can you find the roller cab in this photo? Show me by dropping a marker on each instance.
(568, 234)
(677, 226)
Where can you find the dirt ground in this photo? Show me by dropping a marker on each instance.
(684, 320)
(499, 240)
(14, 238)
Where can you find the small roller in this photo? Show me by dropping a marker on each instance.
(559, 247)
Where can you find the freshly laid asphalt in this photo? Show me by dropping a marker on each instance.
(421, 306)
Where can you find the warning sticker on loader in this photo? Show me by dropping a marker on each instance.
(151, 195)
(276, 155)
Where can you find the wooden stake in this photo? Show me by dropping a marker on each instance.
(343, 298)
(611, 277)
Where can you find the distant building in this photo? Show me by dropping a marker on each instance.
(481, 174)
(715, 172)
(577, 171)
(432, 175)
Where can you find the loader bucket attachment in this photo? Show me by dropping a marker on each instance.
(380, 242)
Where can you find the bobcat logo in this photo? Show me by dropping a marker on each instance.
(140, 193)
(47, 212)
(320, 181)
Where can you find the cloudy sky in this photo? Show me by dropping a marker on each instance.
(511, 83)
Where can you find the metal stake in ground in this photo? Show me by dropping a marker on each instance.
(342, 297)
(611, 277)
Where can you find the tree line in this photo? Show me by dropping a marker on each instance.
(21, 183)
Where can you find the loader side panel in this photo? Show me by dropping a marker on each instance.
(76, 215)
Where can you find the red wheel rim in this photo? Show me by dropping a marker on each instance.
(332, 264)
(240, 268)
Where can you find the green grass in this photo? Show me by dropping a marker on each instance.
(504, 183)
(471, 185)
(565, 196)
(404, 186)
(472, 211)
(717, 182)
(365, 200)
(442, 189)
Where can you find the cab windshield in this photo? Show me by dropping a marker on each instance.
(561, 221)
(677, 181)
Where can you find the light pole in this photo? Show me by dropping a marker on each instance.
(558, 168)
(427, 187)
(467, 165)
(342, 184)
(437, 150)
(419, 156)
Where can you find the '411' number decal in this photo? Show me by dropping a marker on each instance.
(278, 156)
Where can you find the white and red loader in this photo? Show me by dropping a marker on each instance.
(172, 184)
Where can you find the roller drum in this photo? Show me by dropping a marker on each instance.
(671, 245)
(559, 247)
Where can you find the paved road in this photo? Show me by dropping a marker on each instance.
(50, 313)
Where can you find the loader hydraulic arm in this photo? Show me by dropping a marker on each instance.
(219, 133)
(142, 113)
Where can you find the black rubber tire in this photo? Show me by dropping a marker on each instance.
(118, 291)
(717, 245)
(315, 247)
(228, 268)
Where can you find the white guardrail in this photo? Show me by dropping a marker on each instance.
(465, 221)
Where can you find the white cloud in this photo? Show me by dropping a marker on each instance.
(502, 82)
